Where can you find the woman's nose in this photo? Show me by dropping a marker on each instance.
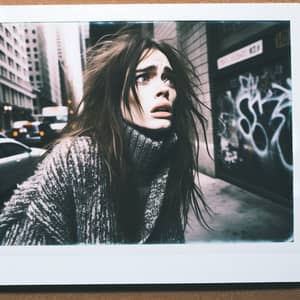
(163, 93)
(162, 90)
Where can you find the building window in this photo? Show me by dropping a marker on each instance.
(26, 30)
(27, 49)
(36, 56)
(27, 41)
(38, 77)
(17, 53)
(12, 76)
(3, 71)
(33, 31)
(7, 33)
(1, 40)
(30, 68)
(9, 47)
(31, 78)
(10, 62)
(34, 40)
(18, 67)
(35, 49)
(37, 66)
(14, 29)
(2, 56)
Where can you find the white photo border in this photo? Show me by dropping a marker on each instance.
(194, 263)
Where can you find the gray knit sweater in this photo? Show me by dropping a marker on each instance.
(66, 201)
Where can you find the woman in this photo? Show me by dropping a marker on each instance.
(123, 172)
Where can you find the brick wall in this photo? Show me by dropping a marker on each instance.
(192, 42)
(190, 38)
(166, 31)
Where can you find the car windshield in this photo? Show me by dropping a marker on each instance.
(56, 119)
(31, 128)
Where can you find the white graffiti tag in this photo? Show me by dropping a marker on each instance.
(265, 121)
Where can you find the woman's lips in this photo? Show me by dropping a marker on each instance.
(162, 115)
(163, 111)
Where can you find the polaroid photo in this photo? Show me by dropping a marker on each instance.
(241, 62)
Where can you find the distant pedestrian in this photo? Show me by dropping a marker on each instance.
(123, 172)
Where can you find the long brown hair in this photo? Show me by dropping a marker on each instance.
(109, 78)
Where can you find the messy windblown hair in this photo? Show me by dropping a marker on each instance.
(109, 78)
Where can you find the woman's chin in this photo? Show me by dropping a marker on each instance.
(159, 124)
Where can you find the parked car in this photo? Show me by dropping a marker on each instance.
(17, 162)
(16, 130)
(27, 133)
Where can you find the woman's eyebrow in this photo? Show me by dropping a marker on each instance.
(153, 68)
(147, 69)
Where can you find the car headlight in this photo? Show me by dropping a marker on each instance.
(15, 133)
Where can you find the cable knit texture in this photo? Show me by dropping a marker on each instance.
(66, 200)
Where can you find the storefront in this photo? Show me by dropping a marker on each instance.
(250, 75)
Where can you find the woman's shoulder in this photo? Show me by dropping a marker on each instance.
(77, 141)
(74, 145)
(78, 150)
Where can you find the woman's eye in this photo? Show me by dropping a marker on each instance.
(143, 78)
(169, 79)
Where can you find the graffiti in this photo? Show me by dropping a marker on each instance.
(262, 120)
(229, 142)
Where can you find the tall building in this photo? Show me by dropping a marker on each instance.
(71, 52)
(41, 48)
(16, 93)
(83, 39)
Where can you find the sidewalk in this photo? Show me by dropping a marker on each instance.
(239, 215)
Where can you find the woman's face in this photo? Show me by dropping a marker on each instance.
(156, 92)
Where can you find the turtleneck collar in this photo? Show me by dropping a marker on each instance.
(147, 147)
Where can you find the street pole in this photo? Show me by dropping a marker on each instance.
(7, 109)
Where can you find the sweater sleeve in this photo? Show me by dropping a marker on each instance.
(40, 210)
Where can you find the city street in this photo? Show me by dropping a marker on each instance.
(239, 215)
(249, 103)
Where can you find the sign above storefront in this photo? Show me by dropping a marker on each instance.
(239, 55)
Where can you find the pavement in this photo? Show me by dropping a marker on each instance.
(239, 215)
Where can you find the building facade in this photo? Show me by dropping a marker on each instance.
(16, 92)
(245, 80)
(250, 72)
